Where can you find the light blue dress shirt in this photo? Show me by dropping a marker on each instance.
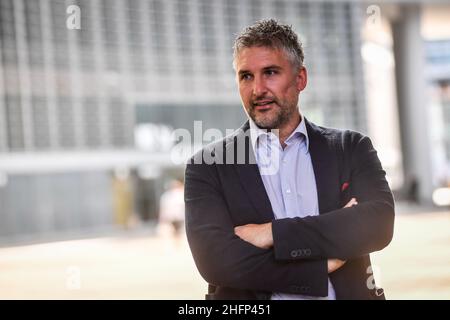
(289, 180)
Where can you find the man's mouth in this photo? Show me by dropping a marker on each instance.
(263, 104)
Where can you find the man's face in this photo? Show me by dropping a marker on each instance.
(269, 85)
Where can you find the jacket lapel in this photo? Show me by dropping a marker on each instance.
(250, 177)
(325, 169)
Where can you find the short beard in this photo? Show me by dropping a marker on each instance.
(282, 116)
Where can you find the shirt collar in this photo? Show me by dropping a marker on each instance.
(255, 133)
(300, 131)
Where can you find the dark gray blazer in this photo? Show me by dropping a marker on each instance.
(220, 196)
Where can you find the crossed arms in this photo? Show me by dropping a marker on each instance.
(260, 235)
(225, 259)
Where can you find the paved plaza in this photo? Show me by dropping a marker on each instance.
(131, 265)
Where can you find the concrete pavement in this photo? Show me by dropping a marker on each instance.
(416, 265)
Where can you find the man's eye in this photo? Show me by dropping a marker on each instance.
(270, 72)
(246, 76)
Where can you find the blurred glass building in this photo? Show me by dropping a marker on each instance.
(87, 114)
(438, 74)
(83, 89)
(71, 100)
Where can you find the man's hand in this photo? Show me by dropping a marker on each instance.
(334, 264)
(351, 203)
(259, 235)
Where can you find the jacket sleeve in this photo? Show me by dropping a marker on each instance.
(223, 259)
(344, 233)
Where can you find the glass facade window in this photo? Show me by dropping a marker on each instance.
(79, 82)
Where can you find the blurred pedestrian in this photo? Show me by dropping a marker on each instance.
(172, 208)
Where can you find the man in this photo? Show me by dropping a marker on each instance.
(282, 208)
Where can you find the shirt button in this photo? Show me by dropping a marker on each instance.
(288, 191)
(284, 161)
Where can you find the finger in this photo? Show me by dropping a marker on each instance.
(350, 203)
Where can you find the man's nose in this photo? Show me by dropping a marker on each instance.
(259, 87)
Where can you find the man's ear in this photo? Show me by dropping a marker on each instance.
(302, 79)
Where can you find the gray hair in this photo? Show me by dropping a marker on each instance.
(269, 33)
